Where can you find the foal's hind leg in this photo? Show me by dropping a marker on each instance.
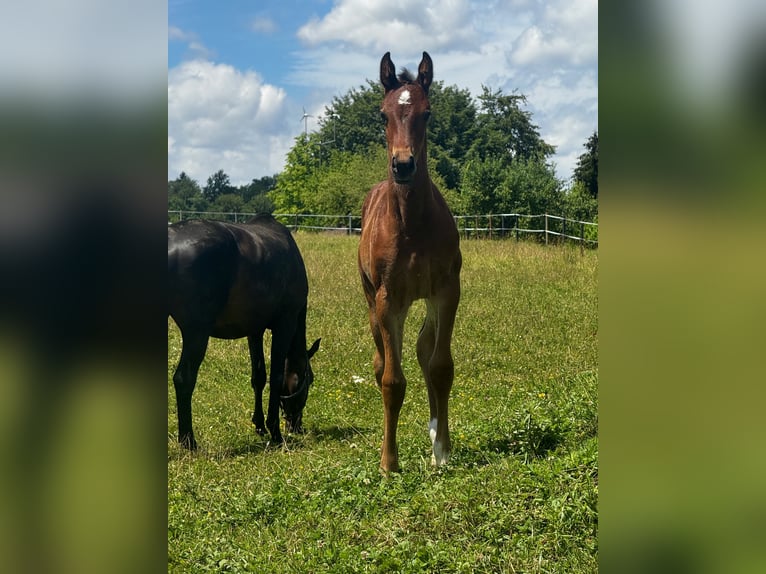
(435, 359)
(184, 381)
(257, 379)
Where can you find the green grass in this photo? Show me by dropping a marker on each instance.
(521, 488)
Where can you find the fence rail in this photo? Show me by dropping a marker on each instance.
(497, 225)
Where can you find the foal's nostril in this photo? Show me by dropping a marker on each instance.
(403, 169)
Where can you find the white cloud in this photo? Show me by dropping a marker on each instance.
(563, 34)
(196, 48)
(175, 33)
(263, 25)
(223, 118)
(393, 25)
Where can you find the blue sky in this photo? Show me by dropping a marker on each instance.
(240, 73)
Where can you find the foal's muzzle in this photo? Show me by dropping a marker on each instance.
(403, 170)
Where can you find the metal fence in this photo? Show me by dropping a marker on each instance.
(545, 227)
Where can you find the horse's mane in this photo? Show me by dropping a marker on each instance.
(406, 77)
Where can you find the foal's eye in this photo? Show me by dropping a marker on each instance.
(383, 116)
(427, 115)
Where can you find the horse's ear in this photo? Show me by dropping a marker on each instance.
(425, 72)
(314, 348)
(388, 73)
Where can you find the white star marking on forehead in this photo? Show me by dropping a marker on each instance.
(404, 98)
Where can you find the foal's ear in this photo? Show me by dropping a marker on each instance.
(388, 73)
(425, 72)
(314, 348)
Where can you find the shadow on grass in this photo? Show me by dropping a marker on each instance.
(533, 440)
(340, 434)
(255, 444)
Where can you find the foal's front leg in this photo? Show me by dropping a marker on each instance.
(257, 379)
(392, 382)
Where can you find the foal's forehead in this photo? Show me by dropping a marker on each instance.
(408, 95)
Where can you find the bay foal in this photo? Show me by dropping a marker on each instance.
(408, 250)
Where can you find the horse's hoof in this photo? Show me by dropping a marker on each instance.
(276, 442)
(260, 431)
(188, 442)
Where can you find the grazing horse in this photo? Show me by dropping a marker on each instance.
(409, 249)
(236, 280)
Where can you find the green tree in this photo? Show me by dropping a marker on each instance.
(352, 121)
(451, 131)
(259, 204)
(298, 181)
(257, 187)
(506, 131)
(580, 204)
(185, 194)
(228, 203)
(343, 183)
(586, 171)
(217, 184)
(530, 186)
(482, 181)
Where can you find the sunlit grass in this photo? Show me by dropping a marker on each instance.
(520, 491)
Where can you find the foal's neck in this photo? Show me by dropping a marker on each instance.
(412, 201)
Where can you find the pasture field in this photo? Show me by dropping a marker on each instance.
(520, 491)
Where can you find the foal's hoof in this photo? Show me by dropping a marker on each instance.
(260, 431)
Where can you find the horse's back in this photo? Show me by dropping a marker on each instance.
(201, 263)
(236, 279)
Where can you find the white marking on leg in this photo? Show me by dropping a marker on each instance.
(439, 455)
(404, 98)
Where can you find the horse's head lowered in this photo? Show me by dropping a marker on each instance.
(406, 111)
(298, 379)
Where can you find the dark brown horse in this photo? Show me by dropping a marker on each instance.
(408, 250)
(236, 280)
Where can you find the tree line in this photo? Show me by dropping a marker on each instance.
(486, 156)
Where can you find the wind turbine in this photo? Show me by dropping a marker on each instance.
(305, 120)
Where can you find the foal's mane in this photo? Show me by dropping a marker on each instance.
(406, 77)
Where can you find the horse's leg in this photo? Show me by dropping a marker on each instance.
(185, 379)
(378, 361)
(281, 336)
(440, 368)
(392, 381)
(257, 379)
(425, 350)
